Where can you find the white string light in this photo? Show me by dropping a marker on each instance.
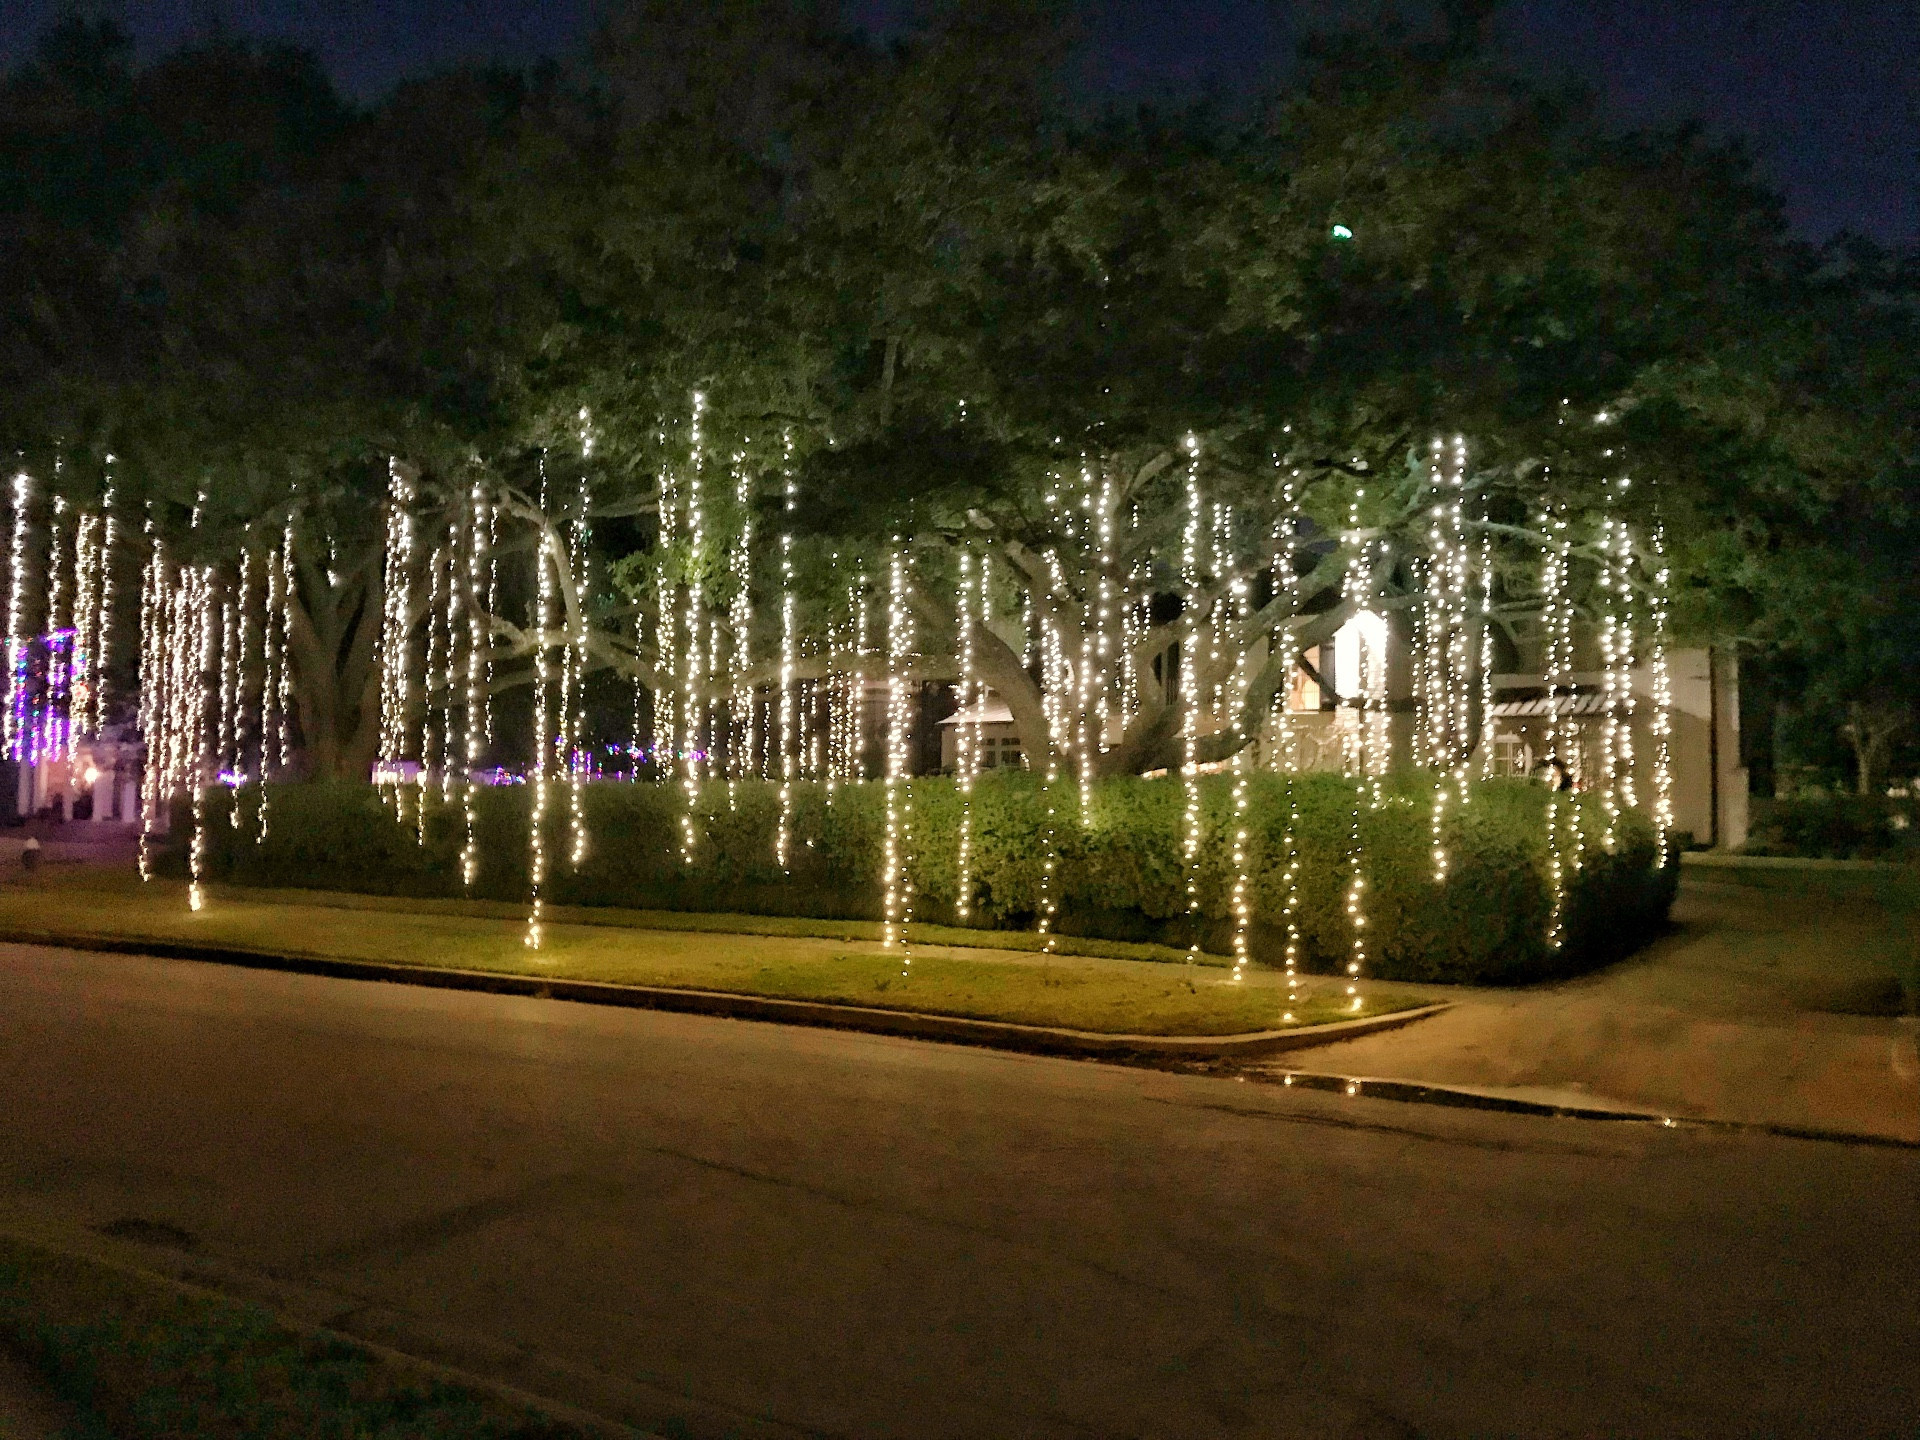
(789, 716)
(1662, 726)
(1190, 695)
(694, 712)
(16, 618)
(967, 734)
(396, 625)
(576, 687)
(479, 642)
(1558, 620)
(895, 877)
(543, 747)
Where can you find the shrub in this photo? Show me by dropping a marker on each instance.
(1118, 867)
(1836, 827)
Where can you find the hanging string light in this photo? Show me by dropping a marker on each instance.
(789, 711)
(695, 719)
(86, 577)
(243, 608)
(429, 733)
(202, 603)
(895, 878)
(580, 583)
(479, 641)
(967, 733)
(56, 730)
(396, 625)
(1446, 668)
(543, 746)
(152, 693)
(102, 649)
(1190, 694)
(1558, 620)
(1617, 654)
(17, 649)
(1358, 751)
(741, 730)
(1287, 583)
(1662, 725)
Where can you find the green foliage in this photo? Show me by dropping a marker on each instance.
(140, 1360)
(1837, 827)
(1120, 875)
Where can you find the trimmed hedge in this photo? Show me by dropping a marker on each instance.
(1119, 875)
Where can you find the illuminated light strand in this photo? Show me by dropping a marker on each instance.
(395, 636)
(201, 606)
(1054, 690)
(1190, 696)
(102, 649)
(1559, 627)
(1447, 686)
(542, 733)
(790, 738)
(1662, 724)
(742, 731)
(1357, 752)
(243, 609)
(86, 614)
(580, 585)
(227, 721)
(666, 628)
(436, 570)
(895, 879)
(1488, 723)
(967, 737)
(55, 734)
(153, 619)
(454, 620)
(22, 495)
(694, 716)
(479, 642)
(1287, 582)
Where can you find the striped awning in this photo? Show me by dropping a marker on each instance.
(1590, 704)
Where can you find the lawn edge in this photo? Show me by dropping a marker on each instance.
(909, 1024)
(417, 1366)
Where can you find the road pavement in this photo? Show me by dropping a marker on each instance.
(738, 1228)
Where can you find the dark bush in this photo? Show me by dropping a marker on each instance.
(1836, 827)
(1118, 866)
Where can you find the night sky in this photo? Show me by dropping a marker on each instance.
(1826, 94)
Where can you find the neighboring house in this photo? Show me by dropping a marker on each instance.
(1709, 785)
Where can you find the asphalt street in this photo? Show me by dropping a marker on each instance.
(742, 1228)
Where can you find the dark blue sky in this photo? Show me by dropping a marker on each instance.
(1827, 92)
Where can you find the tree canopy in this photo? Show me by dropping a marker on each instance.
(917, 288)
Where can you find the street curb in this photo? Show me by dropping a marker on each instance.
(952, 1029)
(1467, 1097)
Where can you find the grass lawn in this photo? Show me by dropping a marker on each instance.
(1079, 992)
(141, 1359)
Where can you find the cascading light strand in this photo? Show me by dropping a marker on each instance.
(1559, 628)
(543, 748)
(896, 877)
(580, 588)
(479, 641)
(203, 604)
(1190, 695)
(693, 708)
(967, 733)
(1662, 679)
(17, 692)
(789, 714)
(102, 650)
(395, 635)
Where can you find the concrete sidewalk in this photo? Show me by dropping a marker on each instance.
(1732, 1017)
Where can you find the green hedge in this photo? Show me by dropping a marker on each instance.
(1118, 875)
(1836, 827)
